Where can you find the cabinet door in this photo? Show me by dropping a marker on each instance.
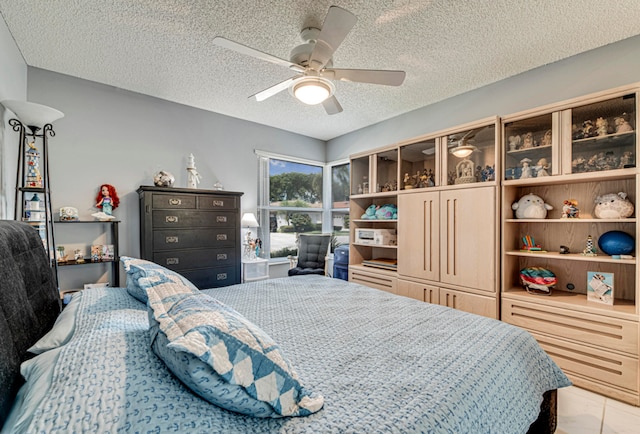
(472, 303)
(468, 238)
(418, 235)
(419, 291)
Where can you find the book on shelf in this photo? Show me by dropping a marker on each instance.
(386, 263)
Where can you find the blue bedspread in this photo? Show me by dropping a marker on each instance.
(383, 364)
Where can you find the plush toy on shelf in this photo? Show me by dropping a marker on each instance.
(531, 206)
(613, 206)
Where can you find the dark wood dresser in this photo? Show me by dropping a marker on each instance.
(193, 232)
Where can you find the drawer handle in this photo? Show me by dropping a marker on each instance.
(173, 261)
(221, 276)
(218, 203)
(171, 240)
(221, 237)
(175, 201)
(171, 219)
(221, 219)
(222, 257)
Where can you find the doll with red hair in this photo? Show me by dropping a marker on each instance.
(107, 199)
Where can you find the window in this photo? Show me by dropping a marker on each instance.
(294, 196)
(340, 204)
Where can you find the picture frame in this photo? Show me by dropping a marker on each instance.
(600, 287)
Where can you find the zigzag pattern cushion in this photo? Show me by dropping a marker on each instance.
(220, 355)
(136, 268)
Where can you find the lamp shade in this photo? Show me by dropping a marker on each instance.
(32, 114)
(249, 220)
(312, 90)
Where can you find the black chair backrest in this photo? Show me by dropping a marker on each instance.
(312, 250)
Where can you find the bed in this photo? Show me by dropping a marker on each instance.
(380, 362)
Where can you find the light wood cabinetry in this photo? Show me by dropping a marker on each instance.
(447, 217)
(595, 344)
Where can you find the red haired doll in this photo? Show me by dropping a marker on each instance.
(107, 199)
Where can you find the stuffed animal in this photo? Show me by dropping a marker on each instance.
(613, 206)
(369, 213)
(387, 212)
(531, 206)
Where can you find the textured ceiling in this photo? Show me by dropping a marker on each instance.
(447, 47)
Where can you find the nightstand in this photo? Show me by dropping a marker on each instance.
(255, 269)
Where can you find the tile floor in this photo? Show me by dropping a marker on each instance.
(584, 412)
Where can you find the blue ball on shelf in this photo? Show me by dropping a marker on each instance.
(616, 243)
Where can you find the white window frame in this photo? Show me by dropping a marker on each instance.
(264, 209)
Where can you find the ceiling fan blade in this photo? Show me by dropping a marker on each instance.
(373, 76)
(269, 92)
(337, 25)
(331, 105)
(248, 51)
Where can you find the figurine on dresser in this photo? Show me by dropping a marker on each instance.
(193, 177)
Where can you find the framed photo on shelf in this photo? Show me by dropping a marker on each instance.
(102, 252)
(600, 287)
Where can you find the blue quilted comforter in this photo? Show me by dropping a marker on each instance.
(383, 364)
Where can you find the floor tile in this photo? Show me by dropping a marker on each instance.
(620, 418)
(579, 411)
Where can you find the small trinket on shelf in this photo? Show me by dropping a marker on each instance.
(529, 245)
(526, 168)
(589, 250)
(622, 124)
(570, 209)
(564, 250)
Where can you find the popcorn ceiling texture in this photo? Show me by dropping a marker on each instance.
(163, 48)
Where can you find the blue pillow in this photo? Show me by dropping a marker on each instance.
(220, 355)
(137, 268)
(62, 329)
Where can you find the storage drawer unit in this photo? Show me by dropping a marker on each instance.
(193, 232)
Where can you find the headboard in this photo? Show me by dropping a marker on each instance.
(29, 303)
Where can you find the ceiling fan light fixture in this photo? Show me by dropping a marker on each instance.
(312, 90)
(463, 151)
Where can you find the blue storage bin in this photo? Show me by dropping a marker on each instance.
(340, 271)
(341, 255)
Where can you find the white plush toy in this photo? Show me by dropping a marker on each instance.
(531, 206)
(613, 206)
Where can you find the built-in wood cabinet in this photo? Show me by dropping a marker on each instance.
(460, 244)
(590, 150)
(447, 217)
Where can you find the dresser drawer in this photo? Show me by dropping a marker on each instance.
(173, 201)
(217, 202)
(177, 239)
(616, 334)
(197, 258)
(188, 219)
(599, 365)
(212, 277)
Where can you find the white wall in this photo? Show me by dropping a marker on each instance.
(109, 135)
(600, 69)
(13, 85)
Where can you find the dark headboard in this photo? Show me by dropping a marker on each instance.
(29, 303)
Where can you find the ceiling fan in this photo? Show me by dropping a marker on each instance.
(312, 62)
